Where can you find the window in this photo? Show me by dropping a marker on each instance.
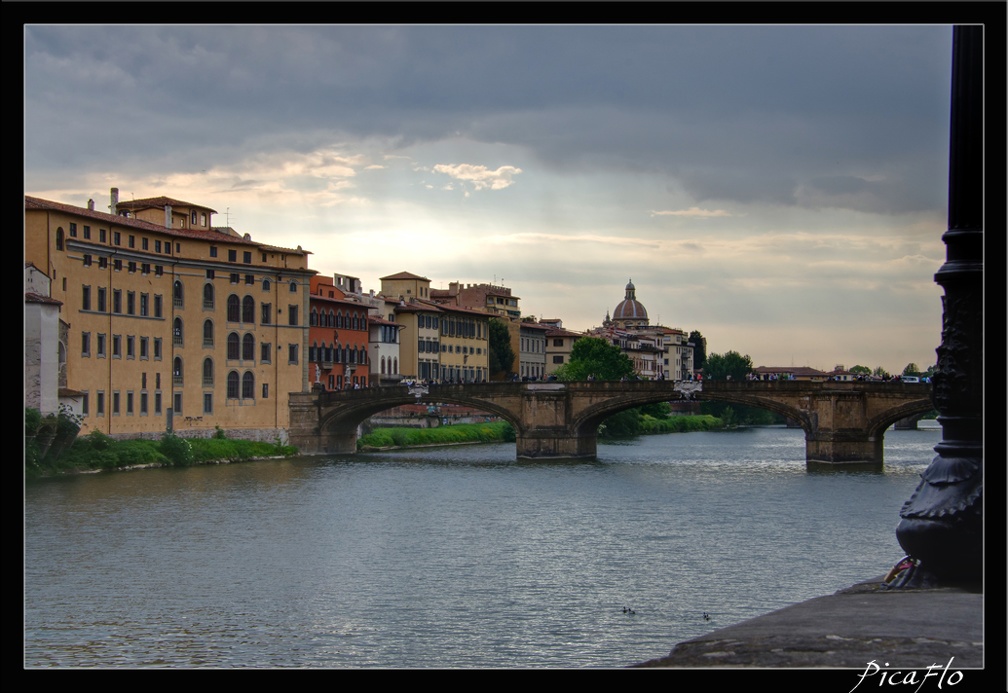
(233, 344)
(293, 287)
(203, 219)
(144, 348)
(177, 332)
(102, 262)
(87, 260)
(132, 267)
(266, 285)
(248, 385)
(247, 257)
(233, 308)
(101, 236)
(250, 279)
(101, 346)
(558, 358)
(208, 293)
(73, 229)
(116, 346)
(85, 408)
(248, 310)
(248, 347)
(131, 302)
(194, 218)
(117, 301)
(177, 295)
(59, 238)
(267, 313)
(213, 251)
(265, 352)
(130, 347)
(157, 350)
(177, 371)
(292, 315)
(158, 305)
(158, 270)
(129, 403)
(117, 265)
(208, 372)
(232, 255)
(207, 403)
(145, 305)
(145, 268)
(85, 298)
(131, 242)
(265, 390)
(232, 385)
(143, 404)
(234, 278)
(87, 232)
(208, 340)
(116, 238)
(292, 353)
(145, 244)
(85, 343)
(101, 402)
(178, 402)
(157, 246)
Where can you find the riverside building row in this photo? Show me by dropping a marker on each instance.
(149, 318)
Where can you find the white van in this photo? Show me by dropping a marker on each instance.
(909, 379)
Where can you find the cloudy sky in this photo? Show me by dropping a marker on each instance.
(781, 189)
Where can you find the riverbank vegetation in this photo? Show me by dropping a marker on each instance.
(407, 437)
(98, 452)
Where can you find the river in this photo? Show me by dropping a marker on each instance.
(456, 557)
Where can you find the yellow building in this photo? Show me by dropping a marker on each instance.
(173, 324)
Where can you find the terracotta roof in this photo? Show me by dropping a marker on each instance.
(37, 203)
(404, 275)
(32, 297)
(159, 202)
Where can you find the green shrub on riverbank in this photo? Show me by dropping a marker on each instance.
(495, 432)
(97, 451)
(680, 424)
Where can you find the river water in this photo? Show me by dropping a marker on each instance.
(457, 557)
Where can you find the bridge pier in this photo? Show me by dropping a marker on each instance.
(542, 443)
(843, 447)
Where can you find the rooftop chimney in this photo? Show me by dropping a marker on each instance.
(90, 205)
(114, 207)
(167, 216)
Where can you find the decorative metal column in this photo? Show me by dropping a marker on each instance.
(942, 523)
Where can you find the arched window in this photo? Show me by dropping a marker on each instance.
(266, 285)
(233, 308)
(395, 366)
(248, 347)
(177, 370)
(248, 310)
(208, 333)
(383, 365)
(208, 296)
(248, 385)
(293, 287)
(313, 318)
(207, 372)
(232, 385)
(331, 319)
(232, 346)
(177, 332)
(59, 238)
(177, 295)
(336, 354)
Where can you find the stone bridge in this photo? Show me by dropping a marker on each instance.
(844, 422)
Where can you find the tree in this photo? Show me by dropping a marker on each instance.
(861, 370)
(911, 369)
(732, 365)
(501, 354)
(699, 349)
(597, 358)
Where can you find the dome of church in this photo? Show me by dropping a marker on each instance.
(630, 309)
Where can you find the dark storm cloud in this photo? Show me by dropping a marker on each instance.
(733, 113)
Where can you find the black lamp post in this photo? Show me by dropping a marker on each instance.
(942, 523)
